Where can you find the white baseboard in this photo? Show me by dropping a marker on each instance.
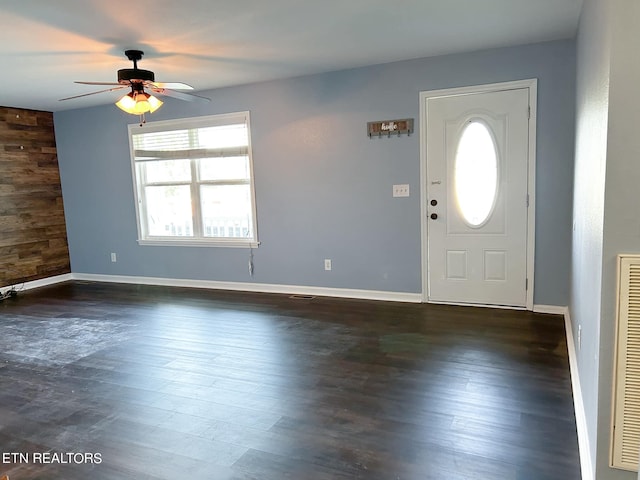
(552, 309)
(251, 287)
(586, 463)
(39, 283)
(256, 287)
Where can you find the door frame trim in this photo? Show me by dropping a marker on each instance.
(532, 86)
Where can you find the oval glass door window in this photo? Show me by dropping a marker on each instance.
(476, 174)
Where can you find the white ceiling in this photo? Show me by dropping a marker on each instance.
(46, 45)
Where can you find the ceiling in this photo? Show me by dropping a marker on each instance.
(46, 45)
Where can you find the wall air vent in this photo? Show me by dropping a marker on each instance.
(625, 445)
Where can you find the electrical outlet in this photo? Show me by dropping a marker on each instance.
(114, 257)
(327, 264)
(579, 337)
(401, 190)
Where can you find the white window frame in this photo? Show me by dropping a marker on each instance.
(198, 240)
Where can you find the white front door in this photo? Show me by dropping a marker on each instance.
(477, 197)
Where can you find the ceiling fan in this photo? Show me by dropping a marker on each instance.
(138, 101)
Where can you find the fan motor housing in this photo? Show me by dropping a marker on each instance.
(127, 75)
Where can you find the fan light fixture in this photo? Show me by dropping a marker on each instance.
(138, 103)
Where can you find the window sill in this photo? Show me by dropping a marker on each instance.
(198, 243)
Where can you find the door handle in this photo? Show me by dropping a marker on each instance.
(434, 216)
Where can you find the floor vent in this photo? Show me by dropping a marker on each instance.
(626, 403)
(302, 297)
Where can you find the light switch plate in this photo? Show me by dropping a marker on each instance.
(401, 190)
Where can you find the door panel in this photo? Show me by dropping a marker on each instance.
(477, 246)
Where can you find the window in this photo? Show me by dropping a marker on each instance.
(194, 181)
(476, 173)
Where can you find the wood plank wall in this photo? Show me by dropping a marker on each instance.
(33, 236)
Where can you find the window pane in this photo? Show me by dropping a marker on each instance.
(224, 168)
(169, 211)
(226, 211)
(223, 136)
(167, 171)
(476, 173)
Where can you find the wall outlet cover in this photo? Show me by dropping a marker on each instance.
(401, 190)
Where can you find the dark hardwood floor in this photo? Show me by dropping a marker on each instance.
(106, 382)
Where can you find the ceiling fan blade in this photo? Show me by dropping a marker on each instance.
(189, 97)
(171, 85)
(99, 83)
(94, 93)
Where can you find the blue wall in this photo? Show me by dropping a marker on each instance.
(323, 187)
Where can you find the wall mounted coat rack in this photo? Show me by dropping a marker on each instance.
(386, 128)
